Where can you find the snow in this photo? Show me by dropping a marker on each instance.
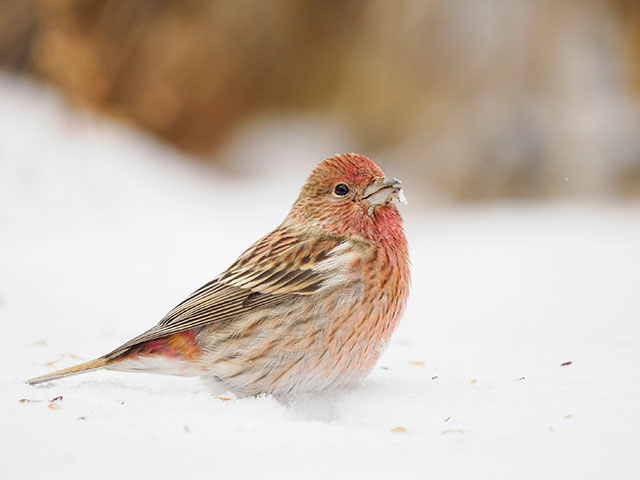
(102, 230)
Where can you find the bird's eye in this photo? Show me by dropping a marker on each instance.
(341, 189)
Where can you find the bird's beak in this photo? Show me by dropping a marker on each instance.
(383, 190)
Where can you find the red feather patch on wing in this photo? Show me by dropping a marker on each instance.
(177, 346)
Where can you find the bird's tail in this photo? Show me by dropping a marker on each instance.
(66, 372)
(175, 354)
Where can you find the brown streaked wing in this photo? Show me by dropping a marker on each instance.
(274, 269)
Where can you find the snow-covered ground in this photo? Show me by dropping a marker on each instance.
(102, 230)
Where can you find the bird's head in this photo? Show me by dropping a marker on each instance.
(349, 194)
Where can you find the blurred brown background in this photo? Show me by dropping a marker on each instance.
(479, 99)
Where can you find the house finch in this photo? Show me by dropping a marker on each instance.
(309, 306)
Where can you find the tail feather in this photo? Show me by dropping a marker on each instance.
(76, 369)
(175, 354)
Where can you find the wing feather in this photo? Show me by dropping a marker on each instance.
(268, 273)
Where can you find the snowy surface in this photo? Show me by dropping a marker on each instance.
(102, 231)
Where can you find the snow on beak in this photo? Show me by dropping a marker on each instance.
(383, 190)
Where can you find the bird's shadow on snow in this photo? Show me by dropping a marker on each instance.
(350, 404)
(331, 406)
(337, 406)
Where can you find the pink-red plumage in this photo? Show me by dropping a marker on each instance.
(309, 306)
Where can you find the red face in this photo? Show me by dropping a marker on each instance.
(347, 194)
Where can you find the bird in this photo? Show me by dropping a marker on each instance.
(308, 307)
